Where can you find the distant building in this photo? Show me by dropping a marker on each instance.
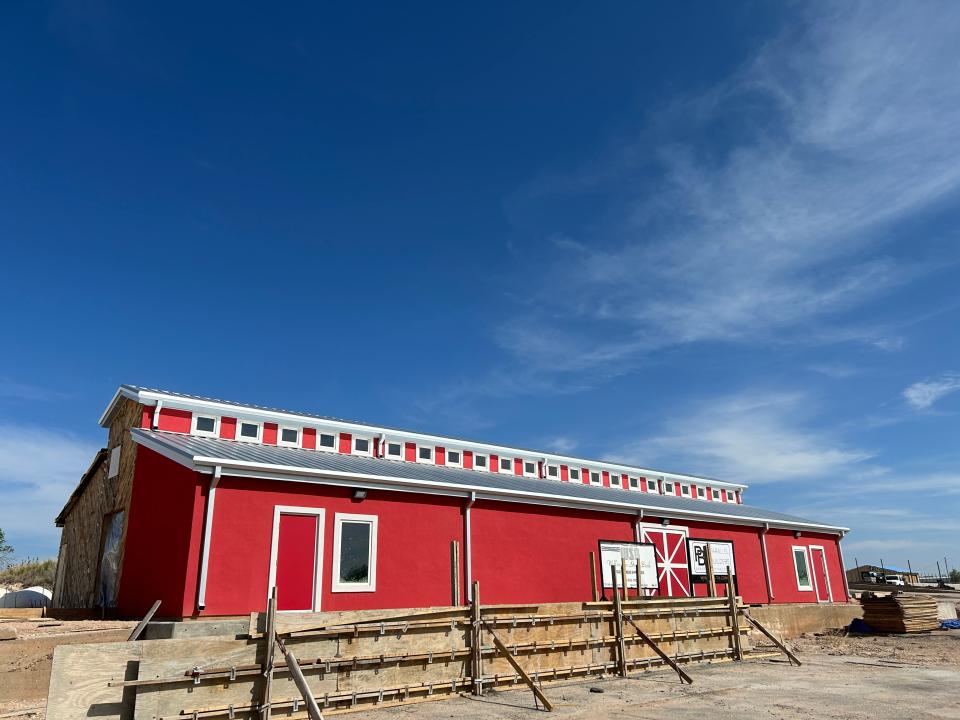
(874, 573)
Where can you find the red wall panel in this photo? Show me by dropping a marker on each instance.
(269, 433)
(440, 456)
(164, 530)
(346, 443)
(468, 459)
(564, 473)
(173, 420)
(410, 452)
(310, 438)
(296, 561)
(228, 428)
(783, 574)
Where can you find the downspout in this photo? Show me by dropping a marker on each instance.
(636, 525)
(207, 532)
(467, 546)
(766, 565)
(843, 568)
(156, 415)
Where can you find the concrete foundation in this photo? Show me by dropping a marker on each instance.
(789, 621)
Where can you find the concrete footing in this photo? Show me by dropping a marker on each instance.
(790, 621)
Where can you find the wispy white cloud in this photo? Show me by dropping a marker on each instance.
(752, 437)
(24, 391)
(38, 470)
(836, 371)
(787, 230)
(922, 395)
(560, 444)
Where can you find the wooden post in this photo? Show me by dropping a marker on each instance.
(734, 615)
(538, 693)
(623, 577)
(269, 635)
(143, 623)
(593, 578)
(455, 572)
(618, 625)
(313, 710)
(639, 588)
(476, 641)
(711, 578)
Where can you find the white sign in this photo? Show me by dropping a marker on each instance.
(611, 554)
(722, 554)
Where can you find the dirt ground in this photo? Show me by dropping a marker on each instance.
(842, 678)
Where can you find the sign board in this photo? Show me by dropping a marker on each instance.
(612, 552)
(722, 553)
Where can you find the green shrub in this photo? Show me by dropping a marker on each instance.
(29, 573)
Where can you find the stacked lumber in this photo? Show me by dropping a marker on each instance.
(900, 613)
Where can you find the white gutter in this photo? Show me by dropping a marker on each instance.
(270, 471)
(156, 415)
(766, 565)
(207, 532)
(843, 567)
(467, 545)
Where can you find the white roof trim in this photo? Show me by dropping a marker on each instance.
(150, 397)
(243, 468)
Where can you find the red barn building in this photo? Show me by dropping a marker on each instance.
(207, 504)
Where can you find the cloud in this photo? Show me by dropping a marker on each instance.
(848, 127)
(752, 437)
(922, 395)
(38, 470)
(836, 371)
(23, 391)
(560, 444)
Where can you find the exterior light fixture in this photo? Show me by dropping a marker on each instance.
(665, 522)
(359, 495)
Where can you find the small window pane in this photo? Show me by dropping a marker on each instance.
(552, 470)
(354, 552)
(700, 492)
(393, 449)
(206, 424)
(595, 477)
(574, 474)
(506, 463)
(803, 575)
(634, 483)
(614, 479)
(529, 468)
(453, 456)
(288, 435)
(361, 445)
(426, 453)
(668, 488)
(652, 485)
(480, 461)
(249, 430)
(327, 440)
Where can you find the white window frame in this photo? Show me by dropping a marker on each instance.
(336, 441)
(371, 584)
(571, 471)
(279, 510)
(194, 430)
(446, 457)
(386, 449)
(241, 438)
(715, 494)
(796, 573)
(429, 460)
(510, 463)
(618, 483)
(363, 453)
(599, 476)
(684, 490)
(668, 488)
(523, 466)
(284, 443)
(655, 489)
(633, 483)
(485, 467)
(555, 468)
(701, 492)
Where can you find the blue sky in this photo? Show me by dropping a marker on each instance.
(713, 238)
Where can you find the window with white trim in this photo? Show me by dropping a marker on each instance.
(354, 553)
(651, 486)
(326, 441)
(529, 468)
(615, 479)
(701, 492)
(553, 472)
(248, 431)
(714, 493)
(362, 446)
(668, 488)
(634, 483)
(685, 490)
(574, 473)
(290, 437)
(479, 462)
(207, 425)
(801, 566)
(506, 465)
(595, 478)
(454, 458)
(393, 450)
(424, 454)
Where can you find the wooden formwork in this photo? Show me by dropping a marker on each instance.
(364, 659)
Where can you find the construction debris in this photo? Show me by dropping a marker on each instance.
(899, 612)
